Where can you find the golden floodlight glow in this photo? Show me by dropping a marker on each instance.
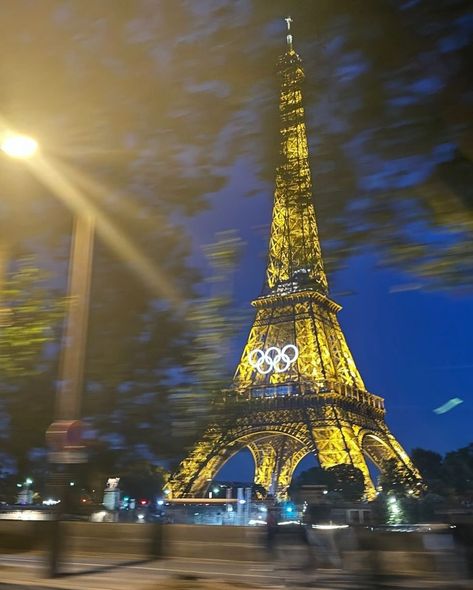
(19, 146)
(296, 391)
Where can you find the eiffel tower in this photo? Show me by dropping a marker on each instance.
(297, 389)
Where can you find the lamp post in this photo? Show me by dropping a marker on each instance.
(68, 397)
(64, 434)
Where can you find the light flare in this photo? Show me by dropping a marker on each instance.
(67, 191)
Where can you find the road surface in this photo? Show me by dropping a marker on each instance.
(20, 571)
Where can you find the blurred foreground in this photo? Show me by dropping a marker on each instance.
(124, 555)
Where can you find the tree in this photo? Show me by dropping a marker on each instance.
(141, 480)
(346, 480)
(343, 479)
(430, 465)
(30, 314)
(150, 396)
(428, 462)
(458, 471)
(397, 479)
(213, 321)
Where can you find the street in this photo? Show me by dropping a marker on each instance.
(105, 573)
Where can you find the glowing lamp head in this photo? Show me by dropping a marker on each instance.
(19, 146)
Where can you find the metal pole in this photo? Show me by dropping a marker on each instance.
(71, 372)
(71, 375)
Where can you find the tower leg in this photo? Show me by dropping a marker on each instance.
(264, 451)
(381, 446)
(338, 444)
(276, 457)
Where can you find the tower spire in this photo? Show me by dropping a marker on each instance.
(289, 36)
(295, 258)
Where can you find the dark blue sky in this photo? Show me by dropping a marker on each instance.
(412, 345)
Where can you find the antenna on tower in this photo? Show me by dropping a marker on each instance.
(289, 36)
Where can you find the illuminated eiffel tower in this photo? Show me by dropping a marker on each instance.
(296, 389)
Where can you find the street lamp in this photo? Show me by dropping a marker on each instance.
(73, 346)
(64, 434)
(19, 146)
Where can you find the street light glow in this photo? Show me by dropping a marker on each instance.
(19, 146)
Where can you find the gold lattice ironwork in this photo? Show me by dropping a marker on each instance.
(296, 389)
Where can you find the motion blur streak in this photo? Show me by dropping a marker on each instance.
(452, 403)
(121, 198)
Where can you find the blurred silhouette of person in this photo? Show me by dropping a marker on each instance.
(463, 536)
(272, 518)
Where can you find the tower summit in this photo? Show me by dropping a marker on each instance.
(295, 257)
(296, 390)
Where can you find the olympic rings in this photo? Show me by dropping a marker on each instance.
(274, 358)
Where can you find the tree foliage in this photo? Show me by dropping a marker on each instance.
(343, 479)
(449, 476)
(150, 395)
(30, 314)
(387, 98)
(397, 479)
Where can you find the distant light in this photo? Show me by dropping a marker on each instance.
(160, 502)
(28, 481)
(141, 516)
(241, 501)
(216, 490)
(50, 502)
(256, 522)
(329, 527)
(98, 516)
(71, 483)
(143, 502)
(289, 509)
(19, 485)
(19, 146)
(27, 515)
(325, 492)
